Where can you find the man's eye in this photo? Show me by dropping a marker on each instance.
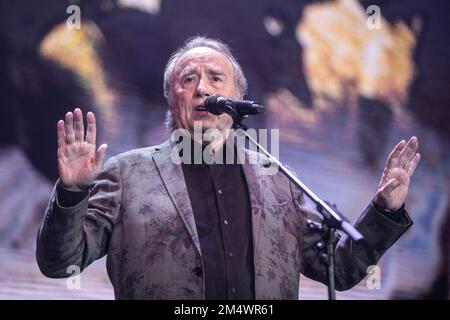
(217, 79)
(189, 79)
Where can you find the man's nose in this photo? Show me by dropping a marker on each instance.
(202, 89)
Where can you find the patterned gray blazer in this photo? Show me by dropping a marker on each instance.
(138, 212)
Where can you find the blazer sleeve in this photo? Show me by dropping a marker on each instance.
(75, 236)
(351, 259)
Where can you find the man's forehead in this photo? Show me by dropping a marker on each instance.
(202, 55)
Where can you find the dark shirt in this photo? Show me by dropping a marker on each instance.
(68, 198)
(221, 206)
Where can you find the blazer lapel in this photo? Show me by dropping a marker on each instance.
(252, 173)
(173, 179)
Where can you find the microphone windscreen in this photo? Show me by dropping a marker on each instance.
(213, 104)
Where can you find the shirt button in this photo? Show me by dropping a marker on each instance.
(198, 271)
(225, 222)
(230, 254)
(233, 290)
(219, 191)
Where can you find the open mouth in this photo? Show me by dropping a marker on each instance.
(200, 108)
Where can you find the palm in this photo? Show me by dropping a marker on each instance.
(78, 161)
(394, 184)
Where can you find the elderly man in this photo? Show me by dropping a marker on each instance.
(200, 231)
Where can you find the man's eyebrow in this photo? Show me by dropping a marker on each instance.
(216, 72)
(187, 71)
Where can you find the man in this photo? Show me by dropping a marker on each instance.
(199, 231)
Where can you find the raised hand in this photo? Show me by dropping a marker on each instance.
(79, 162)
(394, 184)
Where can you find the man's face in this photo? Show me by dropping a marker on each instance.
(198, 73)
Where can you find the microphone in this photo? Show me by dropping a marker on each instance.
(217, 104)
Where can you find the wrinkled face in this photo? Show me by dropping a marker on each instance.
(199, 73)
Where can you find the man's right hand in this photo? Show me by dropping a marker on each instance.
(79, 162)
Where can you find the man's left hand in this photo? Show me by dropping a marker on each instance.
(394, 184)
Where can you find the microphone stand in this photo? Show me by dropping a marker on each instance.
(332, 220)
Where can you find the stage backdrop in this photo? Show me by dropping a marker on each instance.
(343, 80)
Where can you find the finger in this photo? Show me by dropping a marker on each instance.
(100, 155)
(91, 128)
(61, 134)
(412, 156)
(413, 165)
(408, 152)
(78, 125)
(70, 137)
(395, 154)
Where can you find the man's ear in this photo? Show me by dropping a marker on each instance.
(170, 101)
(172, 108)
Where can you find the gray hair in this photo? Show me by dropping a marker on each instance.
(196, 42)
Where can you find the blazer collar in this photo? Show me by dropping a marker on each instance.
(172, 176)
